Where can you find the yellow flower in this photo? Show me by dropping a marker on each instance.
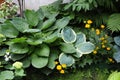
(103, 46)
(108, 48)
(89, 22)
(94, 52)
(56, 62)
(59, 67)
(97, 31)
(105, 41)
(62, 71)
(102, 26)
(102, 38)
(64, 65)
(87, 26)
(111, 60)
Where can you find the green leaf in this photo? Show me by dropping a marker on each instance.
(19, 72)
(39, 62)
(68, 35)
(43, 50)
(66, 59)
(117, 40)
(48, 23)
(51, 37)
(61, 23)
(53, 56)
(18, 48)
(15, 57)
(20, 24)
(9, 31)
(114, 76)
(31, 30)
(114, 22)
(7, 75)
(80, 39)
(85, 48)
(34, 41)
(32, 17)
(3, 51)
(67, 48)
(77, 54)
(26, 62)
(18, 40)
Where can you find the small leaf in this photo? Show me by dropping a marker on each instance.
(66, 59)
(32, 17)
(18, 48)
(15, 57)
(85, 48)
(20, 24)
(39, 62)
(19, 72)
(117, 40)
(77, 54)
(68, 35)
(67, 48)
(31, 31)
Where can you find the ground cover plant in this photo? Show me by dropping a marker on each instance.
(60, 38)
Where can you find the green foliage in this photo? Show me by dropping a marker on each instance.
(114, 22)
(114, 76)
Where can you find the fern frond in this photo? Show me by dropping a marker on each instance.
(114, 22)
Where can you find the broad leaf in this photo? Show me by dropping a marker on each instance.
(32, 17)
(68, 35)
(66, 59)
(18, 48)
(67, 48)
(43, 50)
(80, 39)
(9, 30)
(48, 23)
(117, 40)
(7, 75)
(26, 62)
(20, 24)
(39, 62)
(53, 56)
(61, 23)
(85, 48)
(15, 57)
(77, 54)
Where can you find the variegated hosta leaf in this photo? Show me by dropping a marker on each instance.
(78, 55)
(117, 40)
(117, 56)
(85, 48)
(66, 59)
(68, 35)
(80, 39)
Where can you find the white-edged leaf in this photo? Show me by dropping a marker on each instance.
(81, 38)
(85, 48)
(66, 59)
(68, 35)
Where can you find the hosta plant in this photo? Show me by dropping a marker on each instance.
(38, 40)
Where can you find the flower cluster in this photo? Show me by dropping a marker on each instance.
(60, 67)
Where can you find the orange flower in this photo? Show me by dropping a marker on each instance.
(108, 48)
